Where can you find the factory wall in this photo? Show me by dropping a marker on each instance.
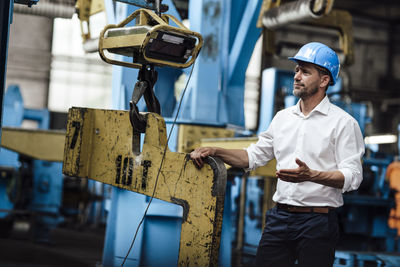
(47, 61)
(29, 57)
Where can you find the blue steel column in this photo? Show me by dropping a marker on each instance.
(203, 99)
(216, 89)
(243, 37)
(5, 21)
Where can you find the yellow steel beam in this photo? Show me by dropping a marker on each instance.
(241, 143)
(38, 144)
(189, 136)
(99, 146)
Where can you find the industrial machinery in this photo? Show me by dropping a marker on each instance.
(35, 196)
(212, 108)
(213, 215)
(31, 190)
(150, 169)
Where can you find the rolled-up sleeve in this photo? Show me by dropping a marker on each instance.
(349, 151)
(262, 151)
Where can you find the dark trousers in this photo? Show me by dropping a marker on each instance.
(309, 238)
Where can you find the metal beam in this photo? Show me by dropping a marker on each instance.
(239, 55)
(246, 36)
(37, 144)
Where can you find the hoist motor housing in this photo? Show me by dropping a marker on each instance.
(151, 41)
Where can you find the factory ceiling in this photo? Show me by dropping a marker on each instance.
(383, 10)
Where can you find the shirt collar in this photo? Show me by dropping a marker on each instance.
(322, 107)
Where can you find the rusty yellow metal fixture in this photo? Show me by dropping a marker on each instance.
(98, 146)
(37, 144)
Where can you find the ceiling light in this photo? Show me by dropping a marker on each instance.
(380, 139)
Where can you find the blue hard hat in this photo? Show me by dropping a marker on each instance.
(321, 55)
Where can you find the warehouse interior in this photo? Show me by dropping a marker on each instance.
(96, 125)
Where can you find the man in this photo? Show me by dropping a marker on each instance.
(318, 148)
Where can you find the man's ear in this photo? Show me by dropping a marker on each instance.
(325, 81)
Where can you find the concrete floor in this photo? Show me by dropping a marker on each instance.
(67, 248)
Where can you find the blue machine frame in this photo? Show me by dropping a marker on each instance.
(46, 195)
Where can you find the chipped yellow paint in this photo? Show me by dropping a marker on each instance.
(99, 146)
(37, 144)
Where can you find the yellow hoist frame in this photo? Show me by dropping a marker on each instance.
(133, 41)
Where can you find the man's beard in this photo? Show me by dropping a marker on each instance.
(304, 92)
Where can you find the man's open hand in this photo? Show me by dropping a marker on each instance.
(301, 174)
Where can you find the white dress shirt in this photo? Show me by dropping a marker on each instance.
(327, 139)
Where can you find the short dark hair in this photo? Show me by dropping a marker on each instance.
(323, 71)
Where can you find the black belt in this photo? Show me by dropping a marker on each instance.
(291, 208)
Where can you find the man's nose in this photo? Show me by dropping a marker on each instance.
(297, 76)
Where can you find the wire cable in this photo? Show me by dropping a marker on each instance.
(159, 169)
